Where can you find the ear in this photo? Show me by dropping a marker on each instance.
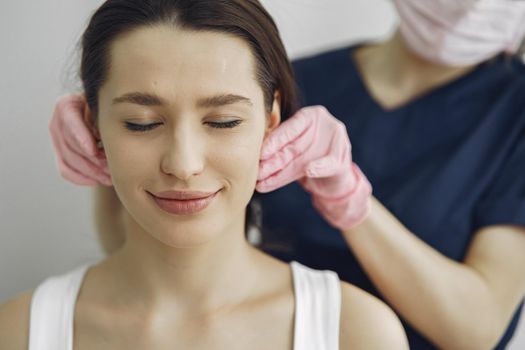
(89, 120)
(275, 115)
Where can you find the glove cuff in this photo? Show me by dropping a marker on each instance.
(351, 209)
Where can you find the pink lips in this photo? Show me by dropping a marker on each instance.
(183, 202)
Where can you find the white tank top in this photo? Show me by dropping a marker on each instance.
(317, 310)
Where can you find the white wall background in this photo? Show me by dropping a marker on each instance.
(45, 223)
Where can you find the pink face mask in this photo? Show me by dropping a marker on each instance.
(461, 32)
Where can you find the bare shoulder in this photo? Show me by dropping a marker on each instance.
(368, 323)
(14, 322)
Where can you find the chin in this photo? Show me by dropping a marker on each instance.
(181, 231)
(184, 236)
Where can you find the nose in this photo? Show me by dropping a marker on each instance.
(183, 156)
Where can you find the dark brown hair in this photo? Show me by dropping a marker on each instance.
(245, 19)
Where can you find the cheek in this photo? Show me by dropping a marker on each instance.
(129, 158)
(238, 156)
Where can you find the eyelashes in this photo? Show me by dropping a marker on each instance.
(224, 125)
(147, 127)
(140, 127)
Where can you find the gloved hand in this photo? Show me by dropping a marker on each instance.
(313, 147)
(79, 159)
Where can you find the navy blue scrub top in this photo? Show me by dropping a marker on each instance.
(445, 164)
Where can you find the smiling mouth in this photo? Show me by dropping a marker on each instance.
(183, 202)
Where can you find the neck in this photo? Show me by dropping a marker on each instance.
(411, 65)
(398, 71)
(200, 278)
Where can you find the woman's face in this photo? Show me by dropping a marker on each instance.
(182, 111)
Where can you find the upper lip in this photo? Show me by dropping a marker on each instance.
(182, 195)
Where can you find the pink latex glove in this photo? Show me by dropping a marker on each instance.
(313, 147)
(79, 160)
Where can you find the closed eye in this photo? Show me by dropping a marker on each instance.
(224, 125)
(141, 127)
(147, 127)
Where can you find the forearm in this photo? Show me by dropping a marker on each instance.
(109, 216)
(448, 302)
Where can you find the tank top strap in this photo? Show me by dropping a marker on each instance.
(317, 308)
(52, 311)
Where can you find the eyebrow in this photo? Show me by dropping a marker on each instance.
(140, 98)
(147, 99)
(223, 100)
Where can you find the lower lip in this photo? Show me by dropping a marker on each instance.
(184, 207)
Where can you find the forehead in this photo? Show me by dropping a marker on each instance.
(165, 57)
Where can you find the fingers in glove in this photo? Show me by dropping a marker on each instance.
(294, 171)
(77, 148)
(72, 176)
(80, 164)
(286, 133)
(68, 117)
(92, 179)
(291, 152)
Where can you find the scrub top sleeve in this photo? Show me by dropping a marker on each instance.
(505, 203)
